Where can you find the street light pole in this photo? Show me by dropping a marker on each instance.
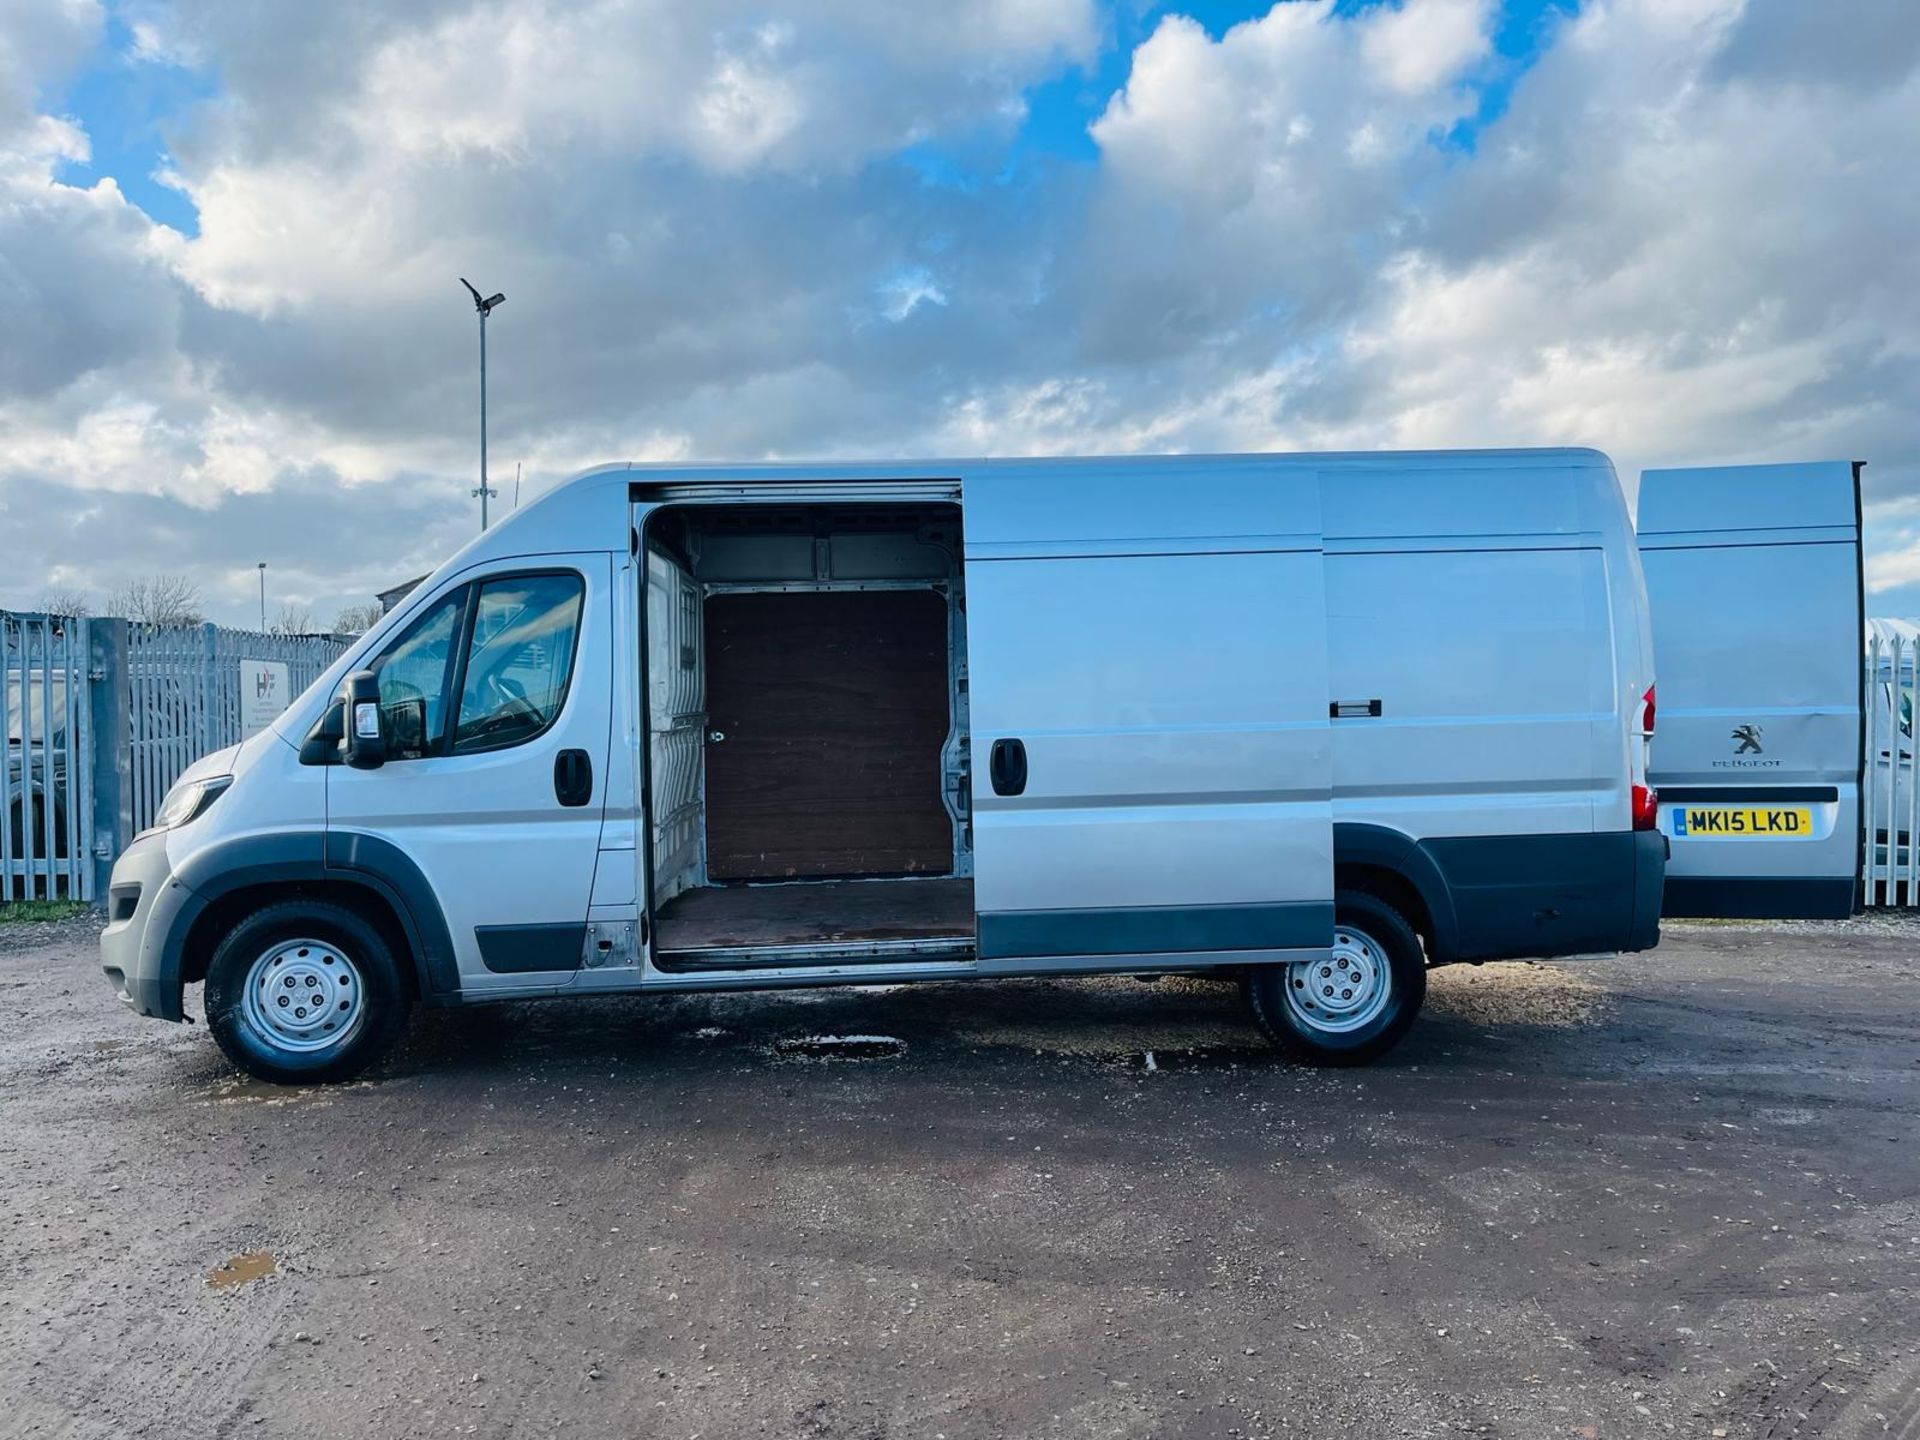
(485, 308)
(263, 595)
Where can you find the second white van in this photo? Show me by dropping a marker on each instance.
(1314, 721)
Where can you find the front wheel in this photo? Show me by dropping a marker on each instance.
(1356, 1004)
(304, 992)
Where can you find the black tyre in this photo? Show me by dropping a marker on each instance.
(1355, 1006)
(304, 992)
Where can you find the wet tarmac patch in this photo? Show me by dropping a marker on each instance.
(840, 1047)
(242, 1269)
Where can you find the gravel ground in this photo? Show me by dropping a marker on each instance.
(1667, 1194)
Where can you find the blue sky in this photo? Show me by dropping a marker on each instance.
(129, 106)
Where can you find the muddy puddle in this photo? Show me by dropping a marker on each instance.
(242, 1269)
(245, 1090)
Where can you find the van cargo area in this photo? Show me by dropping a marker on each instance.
(806, 705)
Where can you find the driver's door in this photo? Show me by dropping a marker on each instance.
(485, 693)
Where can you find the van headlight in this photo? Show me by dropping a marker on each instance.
(189, 800)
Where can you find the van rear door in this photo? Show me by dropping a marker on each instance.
(1148, 715)
(1754, 582)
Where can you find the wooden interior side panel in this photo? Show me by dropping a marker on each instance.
(833, 706)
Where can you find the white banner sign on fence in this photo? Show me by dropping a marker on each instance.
(263, 694)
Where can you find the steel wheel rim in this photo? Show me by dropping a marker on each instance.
(304, 996)
(1345, 992)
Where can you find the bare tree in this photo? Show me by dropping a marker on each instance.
(292, 619)
(357, 619)
(66, 600)
(157, 600)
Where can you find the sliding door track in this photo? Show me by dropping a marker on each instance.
(943, 948)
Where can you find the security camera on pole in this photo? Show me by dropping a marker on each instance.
(485, 307)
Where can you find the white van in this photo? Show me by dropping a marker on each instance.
(1316, 721)
(1755, 577)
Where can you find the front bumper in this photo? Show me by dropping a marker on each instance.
(140, 948)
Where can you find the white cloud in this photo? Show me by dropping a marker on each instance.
(40, 42)
(748, 105)
(1266, 172)
(432, 135)
(907, 290)
(1651, 252)
(1895, 566)
(1420, 45)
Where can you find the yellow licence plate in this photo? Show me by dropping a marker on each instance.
(1742, 822)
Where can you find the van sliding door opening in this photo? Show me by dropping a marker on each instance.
(807, 702)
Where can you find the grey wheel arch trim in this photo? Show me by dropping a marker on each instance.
(383, 866)
(1357, 843)
(337, 856)
(1500, 897)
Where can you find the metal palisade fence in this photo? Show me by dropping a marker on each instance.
(46, 786)
(102, 715)
(1890, 806)
(188, 693)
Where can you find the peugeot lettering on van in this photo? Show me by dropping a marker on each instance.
(1316, 722)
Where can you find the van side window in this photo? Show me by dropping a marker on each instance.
(413, 672)
(519, 660)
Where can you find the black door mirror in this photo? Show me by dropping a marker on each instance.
(364, 745)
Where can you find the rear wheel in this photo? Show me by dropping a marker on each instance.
(304, 992)
(1356, 1004)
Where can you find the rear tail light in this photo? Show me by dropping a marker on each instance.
(1646, 808)
(1646, 712)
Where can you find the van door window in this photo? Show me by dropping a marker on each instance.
(519, 660)
(413, 675)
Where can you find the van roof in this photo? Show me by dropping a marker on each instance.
(958, 467)
(594, 503)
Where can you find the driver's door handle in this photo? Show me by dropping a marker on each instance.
(572, 777)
